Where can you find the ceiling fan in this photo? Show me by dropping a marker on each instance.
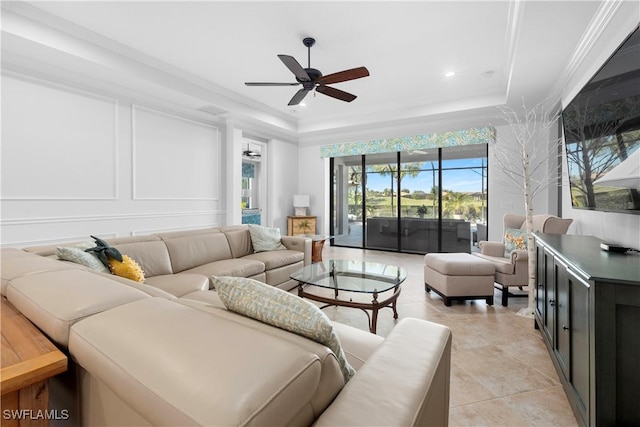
(311, 79)
(252, 154)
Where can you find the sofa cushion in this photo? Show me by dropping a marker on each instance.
(191, 379)
(278, 276)
(275, 259)
(55, 300)
(152, 256)
(179, 284)
(283, 310)
(189, 232)
(239, 241)
(197, 249)
(265, 239)
(17, 263)
(229, 267)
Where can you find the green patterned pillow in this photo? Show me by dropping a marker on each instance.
(514, 238)
(75, 253)
(265, 239)
(281, 309)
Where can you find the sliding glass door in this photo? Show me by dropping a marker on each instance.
(415, 201)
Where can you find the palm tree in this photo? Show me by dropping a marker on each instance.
(410, 169)
(457, 201)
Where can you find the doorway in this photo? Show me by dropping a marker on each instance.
(253, 186)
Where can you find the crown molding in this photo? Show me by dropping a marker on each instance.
(33, 27)
(606, 12)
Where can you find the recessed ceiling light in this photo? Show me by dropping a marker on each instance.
(450, 74)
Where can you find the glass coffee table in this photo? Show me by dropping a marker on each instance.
(352, 276)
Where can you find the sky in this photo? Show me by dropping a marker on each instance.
(468, 181)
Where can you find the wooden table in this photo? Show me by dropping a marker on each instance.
(29, 359)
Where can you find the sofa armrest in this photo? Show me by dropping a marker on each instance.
(298, 243)
(409, 373)
(491, 248)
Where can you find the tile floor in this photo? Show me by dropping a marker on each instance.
(501, 374)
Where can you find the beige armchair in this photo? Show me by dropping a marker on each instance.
(512, 270)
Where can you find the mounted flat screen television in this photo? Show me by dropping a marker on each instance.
(602, 135)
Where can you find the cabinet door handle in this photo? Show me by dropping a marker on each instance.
(565, 328)
(552, 302)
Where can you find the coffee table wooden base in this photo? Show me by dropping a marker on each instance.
(374, 305)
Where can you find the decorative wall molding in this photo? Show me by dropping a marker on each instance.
(511, 39)
(170, 172)
(170, 229)
(63, 173)
(53, 241)
(106, 217)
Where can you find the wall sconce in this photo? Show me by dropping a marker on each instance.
(300, 203)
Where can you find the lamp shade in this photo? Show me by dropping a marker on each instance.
(301, 201)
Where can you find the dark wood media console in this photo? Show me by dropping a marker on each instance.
(588, 312)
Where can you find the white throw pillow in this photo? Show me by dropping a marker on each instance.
(281, 309)
(265, 239)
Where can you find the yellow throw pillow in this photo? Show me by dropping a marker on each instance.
(128, 268)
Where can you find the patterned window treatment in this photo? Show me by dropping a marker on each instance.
(483, 135)
(248, 170)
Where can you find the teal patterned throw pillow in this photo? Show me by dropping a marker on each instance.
(281, 309)
(514, 238)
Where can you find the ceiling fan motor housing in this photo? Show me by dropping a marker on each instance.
(314, 75)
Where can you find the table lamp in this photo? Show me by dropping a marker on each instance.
(300, 203)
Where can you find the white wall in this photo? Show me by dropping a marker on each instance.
(284, 170)
(76, 163)
(623, 229)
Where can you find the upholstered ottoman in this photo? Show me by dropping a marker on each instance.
(458, 276)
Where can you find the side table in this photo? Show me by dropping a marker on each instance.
(29, 359)
(297, 225)
(317, 243)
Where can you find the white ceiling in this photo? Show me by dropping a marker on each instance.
(501, 52)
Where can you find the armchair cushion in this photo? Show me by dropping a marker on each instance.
(493, 249)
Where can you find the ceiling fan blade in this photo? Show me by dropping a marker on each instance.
(298, 97)
(343, 76)
(270, 84)
(336, 93)
(295, 67)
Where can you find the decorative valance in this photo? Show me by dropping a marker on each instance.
(483, 135)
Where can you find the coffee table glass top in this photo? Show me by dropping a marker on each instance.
(353, 276)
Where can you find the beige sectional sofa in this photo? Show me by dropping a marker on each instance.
(180, 262)
(168, 352)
